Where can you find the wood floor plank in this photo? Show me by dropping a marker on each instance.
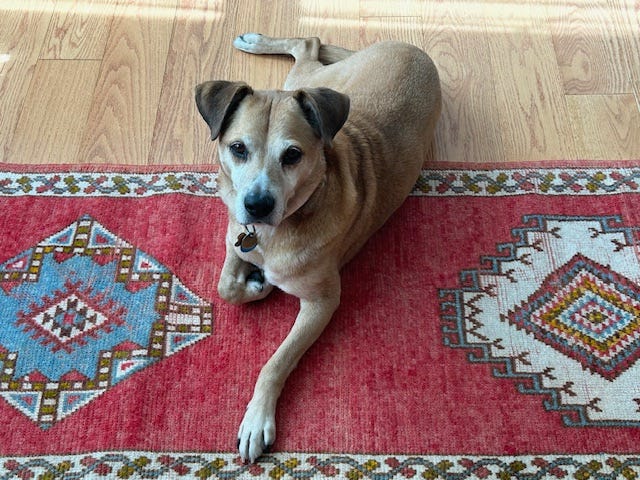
(23, 28)
(469, 126)
(55, 111)
(533, 119)
(123, 112)
(591, 55)
(383, 8)
(605, 127)
(275, 18)
(79, 29)
(199, 51)
(627, 25)
(336, 22)
(380, 28)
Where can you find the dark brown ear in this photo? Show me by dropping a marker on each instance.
(326, 110)
(217, 100)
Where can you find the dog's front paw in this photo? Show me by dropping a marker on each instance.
(257, 431)
(256, 282)
(248, 285)
(249, 42)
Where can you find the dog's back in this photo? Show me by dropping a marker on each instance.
(395, 102)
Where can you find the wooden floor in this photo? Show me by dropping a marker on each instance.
(111, 81)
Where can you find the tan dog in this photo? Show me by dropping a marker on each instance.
(308, 174)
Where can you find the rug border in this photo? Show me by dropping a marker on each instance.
(438, 179)
(146, 464)
(214, 166)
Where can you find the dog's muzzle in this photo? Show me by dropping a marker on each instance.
(259, 205)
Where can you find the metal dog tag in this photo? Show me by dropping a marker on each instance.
(247, 241)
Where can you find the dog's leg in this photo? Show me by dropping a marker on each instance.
(309, 53)
(299, 48)
(302, 49)
(241, 282)
(258, 429)
(330, 54)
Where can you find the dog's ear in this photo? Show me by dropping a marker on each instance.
(326, 110)
(217, 100)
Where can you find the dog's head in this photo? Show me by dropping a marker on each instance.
(271, 145)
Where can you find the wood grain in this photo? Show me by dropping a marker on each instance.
(399, 8)
(627, 25)
(55, 111)
(22, 32)
(125, 103)
(605, 127)
(379, 29)
(533, 118)
(271, 18)
(468, 130)
(506, 67)
(79, 29)
(585, 60)
(198, 52)
(336, 22)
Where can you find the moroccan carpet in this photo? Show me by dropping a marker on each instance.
(490, 330)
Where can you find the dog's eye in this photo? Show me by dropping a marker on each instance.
(239, 150)
(291, 156)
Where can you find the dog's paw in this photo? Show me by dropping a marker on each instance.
(247, 285)
(249, 42)
(256, 282)
(257, 431)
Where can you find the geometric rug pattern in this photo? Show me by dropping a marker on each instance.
(559, 307)
(98, 311)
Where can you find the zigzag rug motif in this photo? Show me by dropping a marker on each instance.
(491, 329)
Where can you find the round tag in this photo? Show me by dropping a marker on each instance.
(248, 242)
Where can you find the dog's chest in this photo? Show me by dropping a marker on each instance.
(255, 246)
(282, 267)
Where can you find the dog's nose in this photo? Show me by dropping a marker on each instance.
(259, 205)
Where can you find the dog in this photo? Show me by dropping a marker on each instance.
(308, 174)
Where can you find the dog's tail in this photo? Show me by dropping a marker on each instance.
(331, 54)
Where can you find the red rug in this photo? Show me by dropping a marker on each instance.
(491, 329)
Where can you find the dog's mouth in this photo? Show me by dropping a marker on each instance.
(251, 223)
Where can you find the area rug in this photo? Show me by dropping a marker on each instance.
(490, 330)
